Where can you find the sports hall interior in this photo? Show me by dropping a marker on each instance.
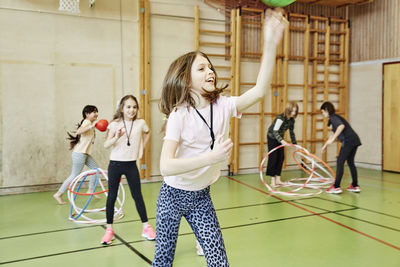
(53, 62)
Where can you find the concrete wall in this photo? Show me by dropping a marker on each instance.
(365, 110)
(52, 64)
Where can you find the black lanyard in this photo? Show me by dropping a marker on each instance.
(128, 135)
(211, 128)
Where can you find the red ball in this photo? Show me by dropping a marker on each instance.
(101, 125)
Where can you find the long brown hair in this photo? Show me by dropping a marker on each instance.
(74, 139)
(119, 113)
(177, 82)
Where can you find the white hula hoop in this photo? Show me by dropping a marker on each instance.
(312, 182)
(72, 194)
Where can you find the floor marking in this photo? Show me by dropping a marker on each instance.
(361, 208)
(321, 216)
(131, 247)
(337, 212)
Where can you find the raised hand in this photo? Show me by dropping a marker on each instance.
(274, 25)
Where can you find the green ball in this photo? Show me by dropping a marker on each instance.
(278, 3)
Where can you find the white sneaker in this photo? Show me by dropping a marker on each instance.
(199, 250)
(333, 190)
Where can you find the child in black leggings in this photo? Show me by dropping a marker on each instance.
(124, 135)
(276, 132)
(350, 142)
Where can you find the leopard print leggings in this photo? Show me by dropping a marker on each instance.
(198, 210)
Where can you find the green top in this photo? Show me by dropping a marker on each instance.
(280, 131)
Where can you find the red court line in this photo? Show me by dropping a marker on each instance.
(319, 215)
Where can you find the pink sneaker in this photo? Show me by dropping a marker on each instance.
(333, 190)
(351, 188)
(108, 237)
(149, 233)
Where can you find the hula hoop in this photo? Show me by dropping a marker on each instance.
(312, 182)
(87, 194)
(331, 172)
(79, 212)
(318, 181)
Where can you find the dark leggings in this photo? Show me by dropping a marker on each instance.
(115, 170)
(275, 159)
(346, 153)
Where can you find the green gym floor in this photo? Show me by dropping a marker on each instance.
(259, 229)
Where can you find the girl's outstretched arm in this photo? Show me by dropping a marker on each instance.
(274, 26)
(85, 128)
(169, 165)
(332, 138)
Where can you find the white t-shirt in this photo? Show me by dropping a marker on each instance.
(120, 151)
(86, 140)
(193, 136)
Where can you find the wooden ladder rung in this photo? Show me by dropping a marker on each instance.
(222, 67)
(330, 72)
(297, 16)
(338, 32)
(317, 58)
(224, 78)
(248, 83)
(251, 23)
(318, 30)
(251, 114)
(330, 92)
(249, 143)
(337, 59)
(292, 57)
(256, 10)
(217, 44)
(331, 85)
(297, 29)
(215, 32)
(251, 54)
(330, 53)
(332, 42)
(318, 85)
(218, 55)
(295, 84)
